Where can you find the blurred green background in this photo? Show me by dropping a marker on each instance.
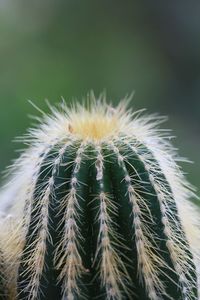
(50, 49)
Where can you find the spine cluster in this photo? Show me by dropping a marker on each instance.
(155, 236)
(99, 219)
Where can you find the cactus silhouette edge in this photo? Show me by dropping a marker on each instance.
(97, 208)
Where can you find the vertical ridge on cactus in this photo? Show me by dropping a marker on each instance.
(99, 207)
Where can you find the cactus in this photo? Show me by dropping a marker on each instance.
(98, 208)
(2, 277)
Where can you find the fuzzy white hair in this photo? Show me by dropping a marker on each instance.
(100, 123)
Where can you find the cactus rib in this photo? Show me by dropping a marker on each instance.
(97, 211)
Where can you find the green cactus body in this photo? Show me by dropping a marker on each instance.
(99, 218)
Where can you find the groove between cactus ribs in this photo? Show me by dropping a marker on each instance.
(145, 247)
(112, 270)
(107, 261)
(37, 240)
(31, 188)
(96, 212)
(176, 241)
(71, 263)
(148, 262)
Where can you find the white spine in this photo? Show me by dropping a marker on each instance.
(112, 270)
(71, 261)
(36, 260)
(175, 243)
(31, 188)
(100, 124)
(149, 263)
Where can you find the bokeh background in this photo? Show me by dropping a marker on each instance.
(50, 49)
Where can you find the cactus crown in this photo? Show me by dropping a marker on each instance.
(98, 204)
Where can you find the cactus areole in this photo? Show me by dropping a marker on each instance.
(98, 202)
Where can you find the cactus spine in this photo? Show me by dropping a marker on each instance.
(98, 202)
(2, 278)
